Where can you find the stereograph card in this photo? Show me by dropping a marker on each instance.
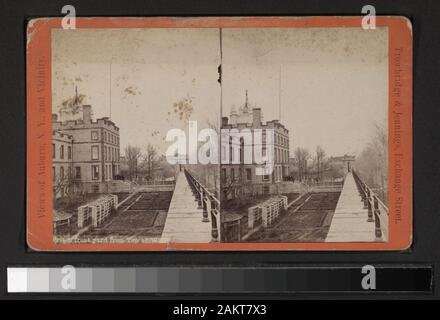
(256, 133)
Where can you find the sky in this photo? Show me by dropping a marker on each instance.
(331, 85)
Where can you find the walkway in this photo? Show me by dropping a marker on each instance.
(184, 221)
(349, 222)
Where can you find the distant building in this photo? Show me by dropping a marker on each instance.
(85, 151)
(345, 160)
(244, 175)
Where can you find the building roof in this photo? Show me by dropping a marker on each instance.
(60, 216)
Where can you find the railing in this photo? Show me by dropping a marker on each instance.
(157, 182)
(377, 210)
(209, 203)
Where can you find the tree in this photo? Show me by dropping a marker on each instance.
(63, 185)
(132, 154)
(149, 160)
(302, 155)
(320, 155)
(336, 170)
(372, 163)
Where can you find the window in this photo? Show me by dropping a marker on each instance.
(266, 177)
(69, 152)
(249, 174)
(62, 173)
(95, 135)
(223, 175)
(78, 172)
(54, 173)
(105, 153)
(232, 174)
(95, 172)
(69, 172)
(53, 151)
(95, 153)
(62, 152)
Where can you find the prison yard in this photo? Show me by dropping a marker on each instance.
(163, 211)
(347, 214)
(120, 199)
(143, 215)
(307, 220)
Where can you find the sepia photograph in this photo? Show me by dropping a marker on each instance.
(300, 114)
(122, 100)
(219, 134)
(323, 96)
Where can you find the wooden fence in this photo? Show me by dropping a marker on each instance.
(267, 212)
(96, 212)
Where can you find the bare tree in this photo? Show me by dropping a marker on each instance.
(63, 186)
(302, 155)
(373, 160)
(132, 154)
(229, 187)
(320, 155)
(150, 160)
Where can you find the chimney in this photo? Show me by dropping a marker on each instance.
(224, 121)
(54, 117)
(87, 113)
(256, 117)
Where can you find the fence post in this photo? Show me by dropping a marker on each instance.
(199, 197)
(214, 224)
(377, 219)
(205, 209)
(370, 209)
(365, 197)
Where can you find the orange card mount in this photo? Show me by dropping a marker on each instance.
(124, 117)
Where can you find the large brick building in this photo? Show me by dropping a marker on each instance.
(85, 151)
(242, 177)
